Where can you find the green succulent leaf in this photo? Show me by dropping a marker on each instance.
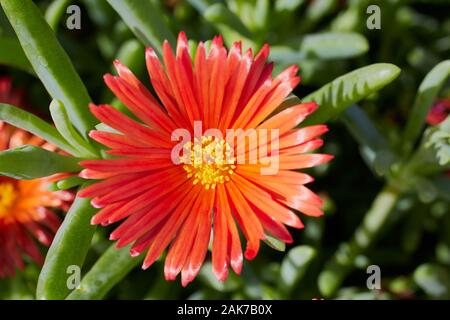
(144, 19)
(334, 45)
(288, 5)
(55, 12)
(130, 54)
(30, 162)
(50, 62)
(434, 280)
(68, 249)
(64, 126)
(274, 243)
(69, 183)
(428, 90)
(109, 269)
(33, 124)
(439, 140)
(336, 96)
(295, 264)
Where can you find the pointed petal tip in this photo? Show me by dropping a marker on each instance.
(221, 274)
(237, 45)
(113, 237)
(218, 41)
(295, 222)
(186, 280)
(236, 265)
(83, 194)
(95, 220)
(134, 253)
(250, 253)
(182, 37)
(121, 68)
(95, 204)
(83, 174)
(92, 134)
(150, 53)
(327, 158)
(290, 240)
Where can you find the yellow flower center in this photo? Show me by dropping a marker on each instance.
(8, 196)
(208, 161)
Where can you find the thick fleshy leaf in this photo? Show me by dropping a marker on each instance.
(295, 264)
(29, 122)
(425, 97)
(64, 126)
(69, 248)
(69, 183)
(438, 138)
(30, 162)
(11, 54)
(109, 269)
(55, 12)
(334, 45)
(315, 12)
(434, 280)
(50, 62)
(336, 96)
(144, 19)
(275, 243)
(288, 5)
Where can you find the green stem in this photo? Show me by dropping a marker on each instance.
(69, 248)
(112, 267)
(365, 235)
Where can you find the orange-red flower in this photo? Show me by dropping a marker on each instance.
(25, 214)
(439, 112)
(181, 206)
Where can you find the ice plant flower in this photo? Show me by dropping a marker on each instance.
(25, 205)
(439, 112)
(180, 205)
(9, 94)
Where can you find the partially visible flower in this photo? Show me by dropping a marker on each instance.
(439, 112)
(180, 206)
(9, 94)
(25, 205)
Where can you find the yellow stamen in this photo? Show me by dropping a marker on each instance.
(208, 161)
(8, 196)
